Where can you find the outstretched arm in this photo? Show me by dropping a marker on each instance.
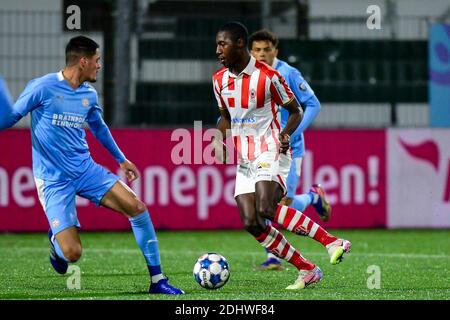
(7, 116)
(30, 99)
(104, 136)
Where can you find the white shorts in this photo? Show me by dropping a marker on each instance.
(264, 168)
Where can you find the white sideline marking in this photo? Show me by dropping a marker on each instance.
(239, 253)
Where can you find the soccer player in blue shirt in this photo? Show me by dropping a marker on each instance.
(264, 47)
(61, 104)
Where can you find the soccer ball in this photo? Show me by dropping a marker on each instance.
(211, 271)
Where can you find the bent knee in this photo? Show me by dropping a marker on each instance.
(139, 207)
(266, 211)
(135, 208)
(73, 253)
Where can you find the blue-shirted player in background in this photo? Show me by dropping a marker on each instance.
(264, 47)
(61, 104)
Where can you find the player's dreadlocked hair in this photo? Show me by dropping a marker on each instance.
(236, 30)
(80, 47)
(263, 35)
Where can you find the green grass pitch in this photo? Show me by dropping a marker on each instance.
(413, 265)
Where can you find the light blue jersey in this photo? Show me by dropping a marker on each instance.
(62, 164)
(304, 94)
(58, 117)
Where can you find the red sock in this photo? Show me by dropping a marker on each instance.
(299, 223)
(277, 244)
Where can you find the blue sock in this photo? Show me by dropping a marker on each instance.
(302, 201)
(58, 249)
(145, 236)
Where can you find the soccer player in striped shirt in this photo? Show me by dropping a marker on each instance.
(264, 47)
(61, 104)
(249, 94)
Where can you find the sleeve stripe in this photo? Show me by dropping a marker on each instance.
(283, 91)
(290, 100)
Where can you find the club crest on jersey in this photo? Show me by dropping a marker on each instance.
(252, 95)
(302, 86)
(55, 223)
(85, 102)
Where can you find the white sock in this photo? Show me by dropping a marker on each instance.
(156, 278)
(272, 256)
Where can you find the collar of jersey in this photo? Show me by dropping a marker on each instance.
(275, 63)
(61, 78)
(247, 70)
(60, 75)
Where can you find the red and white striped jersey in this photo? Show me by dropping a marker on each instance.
(253, 99)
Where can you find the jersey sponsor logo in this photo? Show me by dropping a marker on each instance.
(244, 121)
(263, 165)
(85, 102)
(68, 120)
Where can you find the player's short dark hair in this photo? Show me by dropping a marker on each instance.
(236, 30)
(78, 47)
(263, 35)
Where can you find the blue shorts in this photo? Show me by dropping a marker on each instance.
(298, 150)
(293, 177)
(58, 197)
(298, 145)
